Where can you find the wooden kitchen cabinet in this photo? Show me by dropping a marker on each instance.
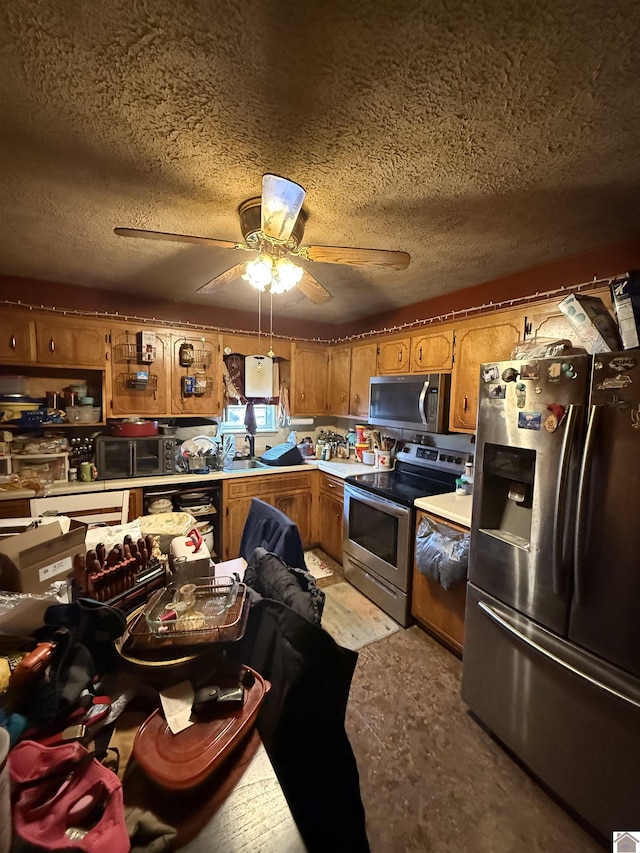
(68, 342)
(17, 339)
(432, 352)
(128, 395)
(309, 379)
(363, 367)
(439, 610)
(394, 355)
(206, 368)
(350, 368)
(330, 515)
(484, 339)
(291, 493)
(15, 508)
(339, 380)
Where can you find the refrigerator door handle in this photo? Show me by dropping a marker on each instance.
(559, 579)
(581, 514)
(511, 629)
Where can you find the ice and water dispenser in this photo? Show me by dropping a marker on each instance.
(507, 493)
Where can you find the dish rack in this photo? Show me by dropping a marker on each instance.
(220, 607)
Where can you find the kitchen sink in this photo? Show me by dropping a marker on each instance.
(243, 464)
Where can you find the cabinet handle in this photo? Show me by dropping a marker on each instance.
(420, 354)
(465, 403)
(342, 396)
(356, 398)
(13, 342)
(52, 345)
(302, 395)
(399, 357)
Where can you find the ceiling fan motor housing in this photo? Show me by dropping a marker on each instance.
(251, 222)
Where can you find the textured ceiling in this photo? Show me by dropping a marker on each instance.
(481, 137)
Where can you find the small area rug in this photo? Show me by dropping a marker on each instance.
(316, 565)
(352, 620)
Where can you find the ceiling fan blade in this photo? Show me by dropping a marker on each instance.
(222, 279)
(177, 238)
(312, 289)
(386, 258)
(281, 203)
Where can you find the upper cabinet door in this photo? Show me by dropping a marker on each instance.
(432, 352)
(139, 381)
(309, 374)
(17, 340)
(339, 380)
(478, 341)
(393, 356)
(196, 375)
(363, 367)
(66, 342)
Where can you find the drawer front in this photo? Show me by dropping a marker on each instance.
(267, 484)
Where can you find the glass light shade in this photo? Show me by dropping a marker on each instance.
(285, 275)
(281, 203)
(259, 272)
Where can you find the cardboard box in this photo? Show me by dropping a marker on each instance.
(626, 302)
(595, 328)
(31, 561)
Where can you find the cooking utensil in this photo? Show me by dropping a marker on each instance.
(129, 429)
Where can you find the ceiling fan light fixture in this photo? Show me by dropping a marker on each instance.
(259, 272)
(285, 275)
(281, 203)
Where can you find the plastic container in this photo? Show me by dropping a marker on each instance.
(83, 414)
(368, 457)
(360, 449)
(47, 467)
(13, 385)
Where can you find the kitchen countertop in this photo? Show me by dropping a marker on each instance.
(340, 469)
(450, 506)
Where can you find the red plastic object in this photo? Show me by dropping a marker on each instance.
(183, 761)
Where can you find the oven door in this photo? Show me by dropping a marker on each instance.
(377, 533)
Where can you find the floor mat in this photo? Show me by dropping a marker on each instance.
(316, 565)
(352, 620)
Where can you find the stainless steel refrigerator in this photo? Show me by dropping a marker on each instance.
(552, 628)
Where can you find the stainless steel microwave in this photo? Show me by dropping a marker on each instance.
(419, 402)
(148, 456)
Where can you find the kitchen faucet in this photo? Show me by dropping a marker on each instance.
(252, 444)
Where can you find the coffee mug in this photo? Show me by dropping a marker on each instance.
(88, 472)
(383, 459)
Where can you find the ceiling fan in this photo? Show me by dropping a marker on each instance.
(272, 226)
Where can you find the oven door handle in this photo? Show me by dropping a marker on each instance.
(376, 502)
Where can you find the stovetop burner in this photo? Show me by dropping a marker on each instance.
(419, 471)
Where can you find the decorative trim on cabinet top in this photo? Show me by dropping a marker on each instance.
(486, 307)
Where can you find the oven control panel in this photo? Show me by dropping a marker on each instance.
(442, 458)
(426, 453)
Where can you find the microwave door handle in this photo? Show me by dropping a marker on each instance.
(582, 502)
(423, 394)
(566, 453)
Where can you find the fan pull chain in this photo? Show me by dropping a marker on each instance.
(271, 353)
(259, 322)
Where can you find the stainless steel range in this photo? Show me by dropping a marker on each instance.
(379, 522)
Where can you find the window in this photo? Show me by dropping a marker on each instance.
(234, 418)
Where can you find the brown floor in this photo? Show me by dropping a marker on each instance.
(431, 778)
